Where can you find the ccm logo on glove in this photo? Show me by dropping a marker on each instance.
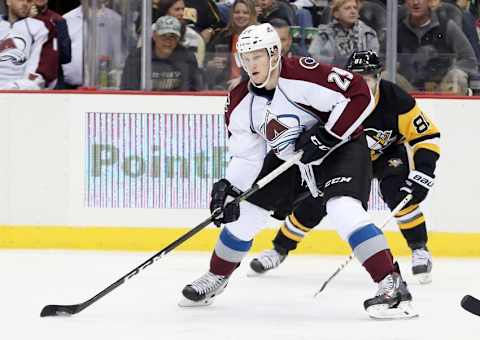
(319, 144)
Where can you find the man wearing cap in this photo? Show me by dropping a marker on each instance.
(174, 68)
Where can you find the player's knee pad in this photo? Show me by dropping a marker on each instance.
(252, 219)
(346, 214)
(310, 212)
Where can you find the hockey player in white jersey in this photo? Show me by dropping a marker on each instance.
(396, 127)
(21, 43)
(288, 106)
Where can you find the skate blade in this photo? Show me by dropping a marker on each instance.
(423, 278)
(382, 312)
(253, 273)
(189, 303)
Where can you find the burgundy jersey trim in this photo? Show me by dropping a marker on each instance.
(234, 98)
(324, 75)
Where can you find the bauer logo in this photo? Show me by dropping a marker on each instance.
(152, 160)
(337, 180)
(423, 180)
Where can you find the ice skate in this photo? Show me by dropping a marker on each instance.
(392, 301)
(203, 291)
(422, 265)
(267, 260)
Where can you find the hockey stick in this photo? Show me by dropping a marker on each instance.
(471, 304)
(66, 310)
(352, 255)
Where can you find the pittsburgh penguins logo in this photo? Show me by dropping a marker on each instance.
(395, 162)
(378, 140)
(308, 63)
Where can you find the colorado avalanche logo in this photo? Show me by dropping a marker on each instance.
(281, 131)
(308, 62)
(13, 49)
(378, 140)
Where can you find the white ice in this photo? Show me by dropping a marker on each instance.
(279, 305)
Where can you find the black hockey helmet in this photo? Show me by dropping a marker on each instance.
(364, 62)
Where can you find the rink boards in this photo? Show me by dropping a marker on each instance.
(133, 172)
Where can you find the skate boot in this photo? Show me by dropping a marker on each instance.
(392, 301)
(267, 260)
(203, 291)
(422, 265)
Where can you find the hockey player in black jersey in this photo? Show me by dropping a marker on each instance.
(395, 128)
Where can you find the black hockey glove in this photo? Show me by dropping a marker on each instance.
(418, 184)
(231, 211)
(316, 142)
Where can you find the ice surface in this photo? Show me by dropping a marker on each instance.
(279, 305)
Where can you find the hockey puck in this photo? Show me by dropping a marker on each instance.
(471, 304)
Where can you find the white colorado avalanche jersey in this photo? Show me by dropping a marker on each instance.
(21, 46)
(307, 92)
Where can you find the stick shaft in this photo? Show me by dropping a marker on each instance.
(257, 186)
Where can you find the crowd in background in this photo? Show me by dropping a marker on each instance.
(193, 41)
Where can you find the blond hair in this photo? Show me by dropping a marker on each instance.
(336, 4)
(251, 9)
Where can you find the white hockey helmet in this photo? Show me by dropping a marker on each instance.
(257, 37)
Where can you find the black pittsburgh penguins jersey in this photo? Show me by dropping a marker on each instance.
(397, 119)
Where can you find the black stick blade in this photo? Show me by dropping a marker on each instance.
(59, 310)
(471, 304)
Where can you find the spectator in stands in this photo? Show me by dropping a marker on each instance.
(109, 42)
(289, 48)
(433, 52)
(223, 72)
(73, 71)
(272, 9)
(208, 17)
(22, 44)
(58, 39)
(3, 8)
(190, 39)
(346, 33)
(174, 68)
(468, 27)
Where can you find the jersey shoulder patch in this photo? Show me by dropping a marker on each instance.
(308, 62)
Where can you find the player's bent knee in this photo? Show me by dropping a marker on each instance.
(347, 214)
(252, 220)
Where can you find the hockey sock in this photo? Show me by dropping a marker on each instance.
(416, 237)
(290, 234)
(228, 253)
(371, 249)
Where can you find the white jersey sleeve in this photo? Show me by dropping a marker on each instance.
(246, 148)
